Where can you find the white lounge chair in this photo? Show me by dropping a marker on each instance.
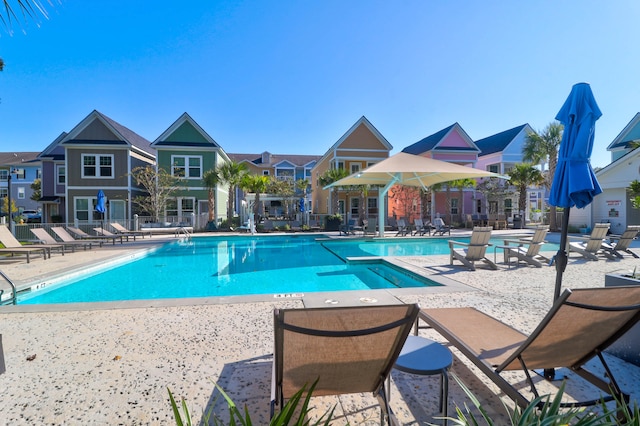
(469, 253)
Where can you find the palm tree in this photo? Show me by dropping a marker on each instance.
(27, 9)
(231, 173)
(327, 178)
(524, 175)
(544, 146)
(256, 184)
(210, 179)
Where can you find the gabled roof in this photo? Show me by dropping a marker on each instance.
(630, 133)
(500, 141)
(361, 121)
(185, 120)
(17, 158)
(432, 142)
(54, 151)
(256, 159)
(123, 134)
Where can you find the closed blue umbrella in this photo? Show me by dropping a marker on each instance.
(574, 183)
(101, 204)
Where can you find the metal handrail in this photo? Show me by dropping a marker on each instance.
(14, 298)
(185, 231)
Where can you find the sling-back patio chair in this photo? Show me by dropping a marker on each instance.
(13, 246)
(531, 253)
(347, 350)
(66, 237)
(10, 242)
(620, 243)
(124, 231)
(581, 324)
(43, 236)
(474, 250)
(103, 233)
(589, 247)
(79, 233)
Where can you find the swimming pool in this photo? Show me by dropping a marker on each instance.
(219, 266)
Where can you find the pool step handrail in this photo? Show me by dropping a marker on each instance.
(185, 231)
(14, 296)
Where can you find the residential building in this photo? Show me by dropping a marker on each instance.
(360, 147)
(288, 167)
(99, 154)
(186, 150)
(54, 181)
(499, 154)
(613, 205)
(25, 168)
(450, 144)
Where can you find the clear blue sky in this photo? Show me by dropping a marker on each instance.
(293, 76)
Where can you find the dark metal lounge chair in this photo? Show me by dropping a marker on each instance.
(579, 327)
(348, 350)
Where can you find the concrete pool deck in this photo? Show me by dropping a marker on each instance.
(112, 363)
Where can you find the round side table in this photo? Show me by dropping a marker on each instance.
(424, 357)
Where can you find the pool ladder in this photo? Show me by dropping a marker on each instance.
(185, 231)
(14, 297)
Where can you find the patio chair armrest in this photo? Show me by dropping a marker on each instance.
(459, 243)
(575, 237)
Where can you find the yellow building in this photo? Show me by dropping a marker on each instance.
(360, 147)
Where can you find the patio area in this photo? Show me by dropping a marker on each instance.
(112, 363)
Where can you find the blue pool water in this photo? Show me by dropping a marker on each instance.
(215, 266)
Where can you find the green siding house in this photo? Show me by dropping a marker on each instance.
(186, 150)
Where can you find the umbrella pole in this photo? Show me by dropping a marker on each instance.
(561, 258)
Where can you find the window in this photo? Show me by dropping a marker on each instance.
(507, 206)
(454, 206)
(82, 208)
(187, 166)
(4, 174)
(307, 172)
(355, 168)
(265, 172)
(61, 173)
(3, 192)
(341, 207)
(340, 164)
(372, 206)
(94, 166)
(21, 193)
(355, 206)
(478, 206)
(284, 174)
(38, 173)
(19, 173)
(494, 168)
(370, 163)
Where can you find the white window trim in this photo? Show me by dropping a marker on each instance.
(58, 167)
(186, 166)
(98, 166)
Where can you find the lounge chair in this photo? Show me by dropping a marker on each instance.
(421, 228)
(9, 241)
(581, 324)
(348, 227)
(103, 233)
(591, 246)
(531, 253)
(474, 250)
(369, 227)
(46, 238)
(348, 350)
(440, 227)
(403, 228)
(13, 246)
(620, 243)
(79, 233)
(66, 237)
(124, 231)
